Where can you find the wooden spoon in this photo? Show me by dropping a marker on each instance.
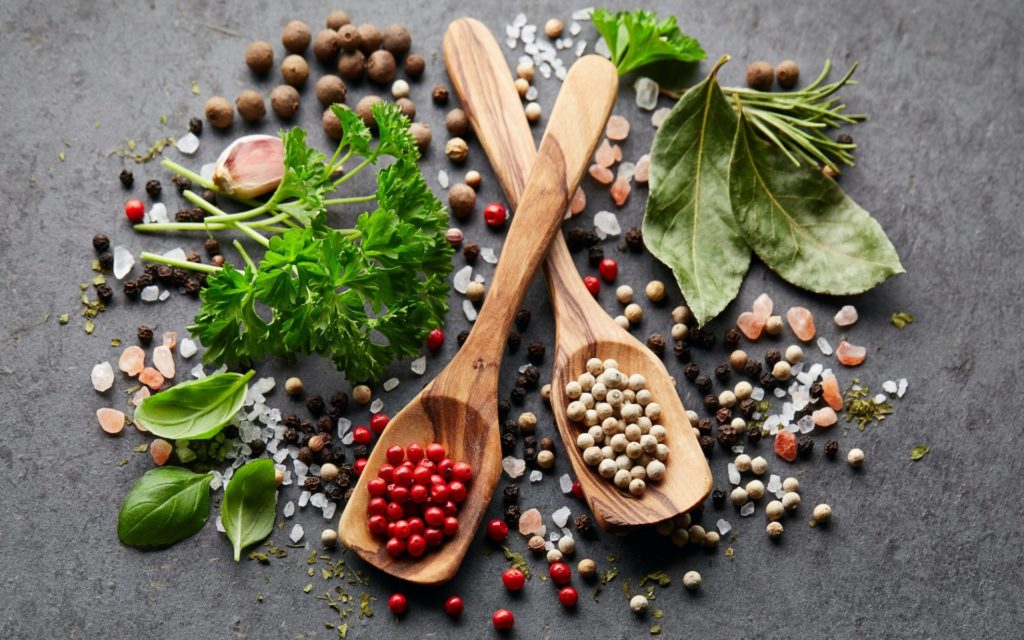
(583, 329)
(459, 407)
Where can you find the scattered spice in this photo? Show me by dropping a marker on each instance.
(901, 319)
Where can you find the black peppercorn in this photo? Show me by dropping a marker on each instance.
(153, 188)
(530, 455)
(530, 441)
(656, 343)
(754, 434)
(100, 242)
(339, 452)
(682, 350)
(179, 276)
(201, 279)
(324, 424)
(131, 289)
(711, 402)
(767, 381)
(547, 444)
(305, 455)
(164, 273)
(192, 286)
(151, 269)
(257, 447)
(718, 497)
(360, 451)
(804, 446)
(324, 456)
(722, 372)
(144, 334)
(583, 523)
(732, 338)
(844, 138)
(104, 292)
(290, 420)
(195, 126)
(727, 436)
(622, 247)
(127, 178)
(703, 383)
(634, 239)
(723, 415)
(535, 352)
(334, 492)
(471, 251)
(210, 196)
(333, 413)
(704, 426)
(106, 260)
(772, 357)
(290, 436)
(503, 408)
(518, 395)
(145, 280)
(510, 494)
(339, 400)
(521, 381)
(532, 376)
(707, 445)
(595, 255)
(514, 340)
(439, 95)
(462, 337)
(691, 372)
(512, 514)
(311, 484)
(193, 257)
(523, 319)
(212, 246)
(701, 338)
(581, 239)
(752, 369)
(816, 390)
(316, 405)
(831, 448)
(181, 183)
(306, 426)
(508, 443)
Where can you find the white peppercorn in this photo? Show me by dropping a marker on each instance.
(586, 381)
(522, 86)
(773, 326)
(791, 500)
(536, 544)
(696, 533)
(644, 397)
(742, 462)
(634, 450)
(791, 484)
(607, 468)
(637, 487)
(329, 472)
(637, 382)
(587, 568)
(400, 89)
(782, 370)
(622, 478)
(632, 432)
(659, 432)
(554, 555)
(822, 513)
(638, 604)
(633, 313)
(855, 458)
(573, 390)
(639, 471)
(661, 453)
(681, 314)
(711, 539)
(456, 149)
(739, 424)
(576, 410)
(567, 545)
(680, 332)
(545, 459)
(794, 354)
(655, 290)
(590, 418)
(653, 411)
(599, 391)
(774, 529)
(595, 366)
(587, 399)
(362, 394)
(774, 510)
(293, 386)
(727, 399)
(622, 321)
(738, 360)
(475, 291)
(692, 416)
(624, 293)
(755, 489)
(739, 496)
(533, 112)
(525, 70)
(691, 580)
(545, 393)
(592, 454)
(680, 537)
(527, 422)
(743, 390)
(656, 471)
(682, 521)
(329, 538)
(759, 465)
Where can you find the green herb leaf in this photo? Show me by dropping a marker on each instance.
(919, 452)
(688, 223)
(164, 506)
(901, 319)
(802, 225)
(637, 39)
(194, 410)
(249, 506)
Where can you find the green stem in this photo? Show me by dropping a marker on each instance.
(336, 162)
(359, 167)
(173, 166)
(220, 214)
(181, 226)
(245, 256)
(181, 264)
(352, 200)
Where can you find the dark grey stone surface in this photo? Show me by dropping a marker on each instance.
(926, 550)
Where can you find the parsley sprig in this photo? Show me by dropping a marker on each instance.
(362, 296)
(637, 39)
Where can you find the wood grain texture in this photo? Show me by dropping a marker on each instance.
(459, 407)
(583, 329)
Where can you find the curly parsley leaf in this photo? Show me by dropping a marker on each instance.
(637, 39)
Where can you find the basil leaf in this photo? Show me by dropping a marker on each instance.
(688, 223)
(194, 410)
(164, 506)
(250, 504)
(802, 225)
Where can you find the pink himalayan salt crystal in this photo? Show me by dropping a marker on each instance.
(579, 202)
(160, 451)
(763, 306)
(801, 322)
(830, 392)
(111, 420)
(132, 361)
(850, 354)
(617, 128)
(620, 191)
(170, 339)
(603, 175)
(824, 417)
(605, 154)
(751, 325)
(140, 395)
(151, 378)
(530, 522)
(642, 169)
(163, 360)
(846, 316)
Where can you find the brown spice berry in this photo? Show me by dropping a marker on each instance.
(316, 443)
(259, 56)
(415, 65)
(219, 112)
(754, 434)
(195, 126)
(420, 132)
(380, 67)
(331, 124)
(153, 188)
(635, 239)
(723, 415)
(352, 65)
(547, 444)
(296, 36)
(535, 352)
(337, 19)
(407, 107)
(439, 95)
(760, 75)
(330, 89)
(284, 100)
(831, 448)
(707, 445)
(144, 334)
(727, 436)
(457, 150)
(456, 122)
(127, 178)
(462, 200)
(369, 38)
(364, 109)
(326, 45)
(711, 402)
(348, 38)
(396, 39)
(656, 343)
(295, 70)
(471, 251)
(250, 106)
(804, 446)
(788, 73)
(100, 242)
(584, 525)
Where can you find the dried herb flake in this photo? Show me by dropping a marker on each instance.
(919, 452)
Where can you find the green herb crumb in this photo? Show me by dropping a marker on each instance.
(919, 452)
(901, 319)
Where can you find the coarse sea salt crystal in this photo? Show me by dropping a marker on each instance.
(575, 28)
(737, 449)
(187, 348)
(774, 483)
(164, 295)
(805, 424)
(442, 178)
(902, 387)
(626, 170)
(329, 510)
(646, 93)
(157, 213)
(519, 20)
(220, 525)
(658, 117)
(188, 143)
(318, 500)
(462, 279)
(561, 516)
(512, 30)
(102, 376)
(734, 474)
(757, 394)
(123, 262)
(601, 48)
(532, 93)
(581, 47)
(206, 171)
(289, 509)
(824, 347)
(301, 468)
(607, 224)
(511, 42)
(197, 372)
(469, 310)
(889, 386)
(280, 455)
(880, 398)
(304, 499)
(390, 384)
(296, 534)
(565, 483)
(747, 509)
(779, 393)
(419, 365)
(561, 72)
(513, 466)
(488, 255)
(536, 476)
(376, 406)
(723, 526)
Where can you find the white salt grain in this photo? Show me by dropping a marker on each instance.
(880, 398)
(376, 406)
(774, 483)
(565, 483)
(646, 93)
(581, 47)
(390, 384)
(469, 310)
(511, 43)
(561, 516)
(824, 347)
(419, 365)
(488, 255)
(747, 509)
(536, 476)
(626, 170)
(531, 93)
(329, 510)
(734, 474)
(102, 376)
(582, 14)
(757, 394)
(606, 224)
(187, 348)
(304, 499)
(513, 466)
(188, 143)
(723, 526)
(902, 388)
(157, 213)
(164, 295)
(442, 178)
(575, 28)
(889, 386)
(296, 533)
(289, 509)
(601, 48)
(659, 116)
(220, 525)
(123, 262)
(462, 279)
(197, 372)
(206, 171)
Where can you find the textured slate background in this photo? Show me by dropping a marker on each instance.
(928, 549)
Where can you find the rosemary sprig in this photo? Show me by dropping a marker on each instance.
(796, 121)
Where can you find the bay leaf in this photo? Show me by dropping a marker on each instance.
(802, 225)
(688, 223)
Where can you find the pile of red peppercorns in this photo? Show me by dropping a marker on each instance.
(415, 498)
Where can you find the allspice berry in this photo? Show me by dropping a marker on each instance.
(456, 122)
(352, 65)
(284, 100)
(760, 75)
(420, 132)
(296, 36)
(439, 94)
(587, 568)
(414, 65)
(337, 19)
(332, 126)
(362, 394)
(259, 56)
(533, 112)
(251, 106)
(348, 38)
(553, 28)
(473, 179)
(293, 386)
(457, 150)
(369, 38)
(326, 45)
(330, 89)
(295, 70)
(396, 39)
(364, 109)
(219, 112)
(380, 67)
(407, 107)
(788, 73)
(462, 200)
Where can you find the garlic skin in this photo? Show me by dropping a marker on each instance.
(250, 166)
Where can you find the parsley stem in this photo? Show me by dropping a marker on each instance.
(181, 264)
(182, 226)
(224, 216)
(245, 256)
(335, 162)
(352, 200)
(203, 182)
(359, 167)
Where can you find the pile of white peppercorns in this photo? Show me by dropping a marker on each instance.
(622, 439)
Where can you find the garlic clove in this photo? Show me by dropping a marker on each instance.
(250, 166)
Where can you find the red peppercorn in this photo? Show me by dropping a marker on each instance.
(456, 491)
(495, 215)
(513, 579)
(378, 422)
(377, 507)
(359, 465)
(462, 472)
(402, 529)
(362, 435)
(395, 547)
(416, 526)
(609, 269)
(435, 339)
(385, 471)
(451, 525)
(421, 475)
(402, 476)
(439, 493)
(444, 467)
(397, 603)
(435, 451)
(577, 489)
(377, 487)
(135, 211)
(560, 573)
(418, 494)
(503, 620)
(395, 511)
(434, 537)
(416, 545)
(413, 452)
(497, 530)
(398, 494)
(568, 596)
(453, 606)
(395, 454)
(593, 285)
(451, 509)
(434, 516)
(378, 524)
